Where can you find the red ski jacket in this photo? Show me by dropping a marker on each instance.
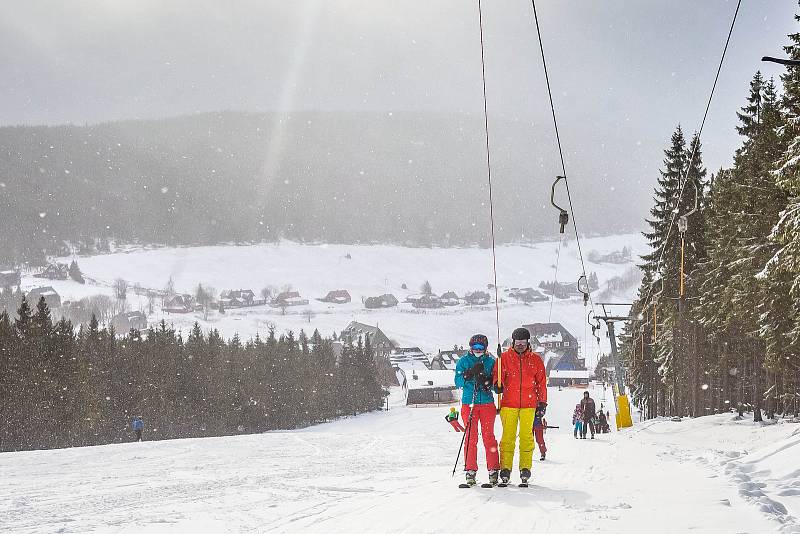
(524, 379)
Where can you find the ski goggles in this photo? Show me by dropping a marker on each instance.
(478, 346)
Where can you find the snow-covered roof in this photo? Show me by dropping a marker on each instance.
(440, 378)
(554, 337)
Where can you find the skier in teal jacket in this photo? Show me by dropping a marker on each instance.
(474, 377)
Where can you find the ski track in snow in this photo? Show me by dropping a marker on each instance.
(390, 472)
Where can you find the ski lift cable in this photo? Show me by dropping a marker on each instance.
(489, 175)
(558, 140)
(555, 279)
(685, 180)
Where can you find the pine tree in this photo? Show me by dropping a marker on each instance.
(781, 327)
(75, 272)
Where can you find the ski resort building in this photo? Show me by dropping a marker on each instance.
(577, 378)
(409, 357)
(426, 386)
(554, 336)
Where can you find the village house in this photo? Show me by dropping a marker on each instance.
(10, 279)
(339, 296)
(127, 321)
(54, 271)
(289, 298)
(381, 344)
(51, 297)
(446, 359)
(477, 298)
(384, 301)
(178, 304)
(236, 298)
(428, 301)
(450, 299)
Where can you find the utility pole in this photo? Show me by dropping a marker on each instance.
(624, 419)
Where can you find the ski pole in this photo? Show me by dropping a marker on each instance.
(469, 426)
(499, 377)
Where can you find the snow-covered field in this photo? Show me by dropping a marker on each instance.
(370, 270)
(390, 472)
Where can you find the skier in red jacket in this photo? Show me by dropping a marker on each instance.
(523, 383)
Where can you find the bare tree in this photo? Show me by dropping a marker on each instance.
(120, 289)
(308, 314)
(267, 293)
(102, 306)
(204, 296)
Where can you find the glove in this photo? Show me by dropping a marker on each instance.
(541, 408)
(484, 380)
(499, 389)
(473, 372)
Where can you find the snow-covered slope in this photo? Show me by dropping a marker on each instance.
(390, 472)
(371, 270)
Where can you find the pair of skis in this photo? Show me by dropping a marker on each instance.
(464, 485)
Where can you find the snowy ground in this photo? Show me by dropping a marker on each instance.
(371, 270)
(390, 472)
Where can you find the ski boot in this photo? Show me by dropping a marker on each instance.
(471, 478)
(542, 458)
(524, 475)
(505, 476)
(492, 480)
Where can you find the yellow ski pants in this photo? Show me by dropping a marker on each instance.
(510, 418)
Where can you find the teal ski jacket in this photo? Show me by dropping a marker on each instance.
(467, 361)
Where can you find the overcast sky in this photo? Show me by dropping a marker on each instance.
(624, 72)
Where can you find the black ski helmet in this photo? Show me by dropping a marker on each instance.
(521, 334)
(479, 339)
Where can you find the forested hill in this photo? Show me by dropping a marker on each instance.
(408, 178)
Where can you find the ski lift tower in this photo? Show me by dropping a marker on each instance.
(624, 419)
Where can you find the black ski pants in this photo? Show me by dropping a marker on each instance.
(588, 424)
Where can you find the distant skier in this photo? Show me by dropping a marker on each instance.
(138, 426)
(539, 428)
(473, 376)
(577, 421)
(523, 383)
(589, 413)
(602, 422)
(452, 418)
